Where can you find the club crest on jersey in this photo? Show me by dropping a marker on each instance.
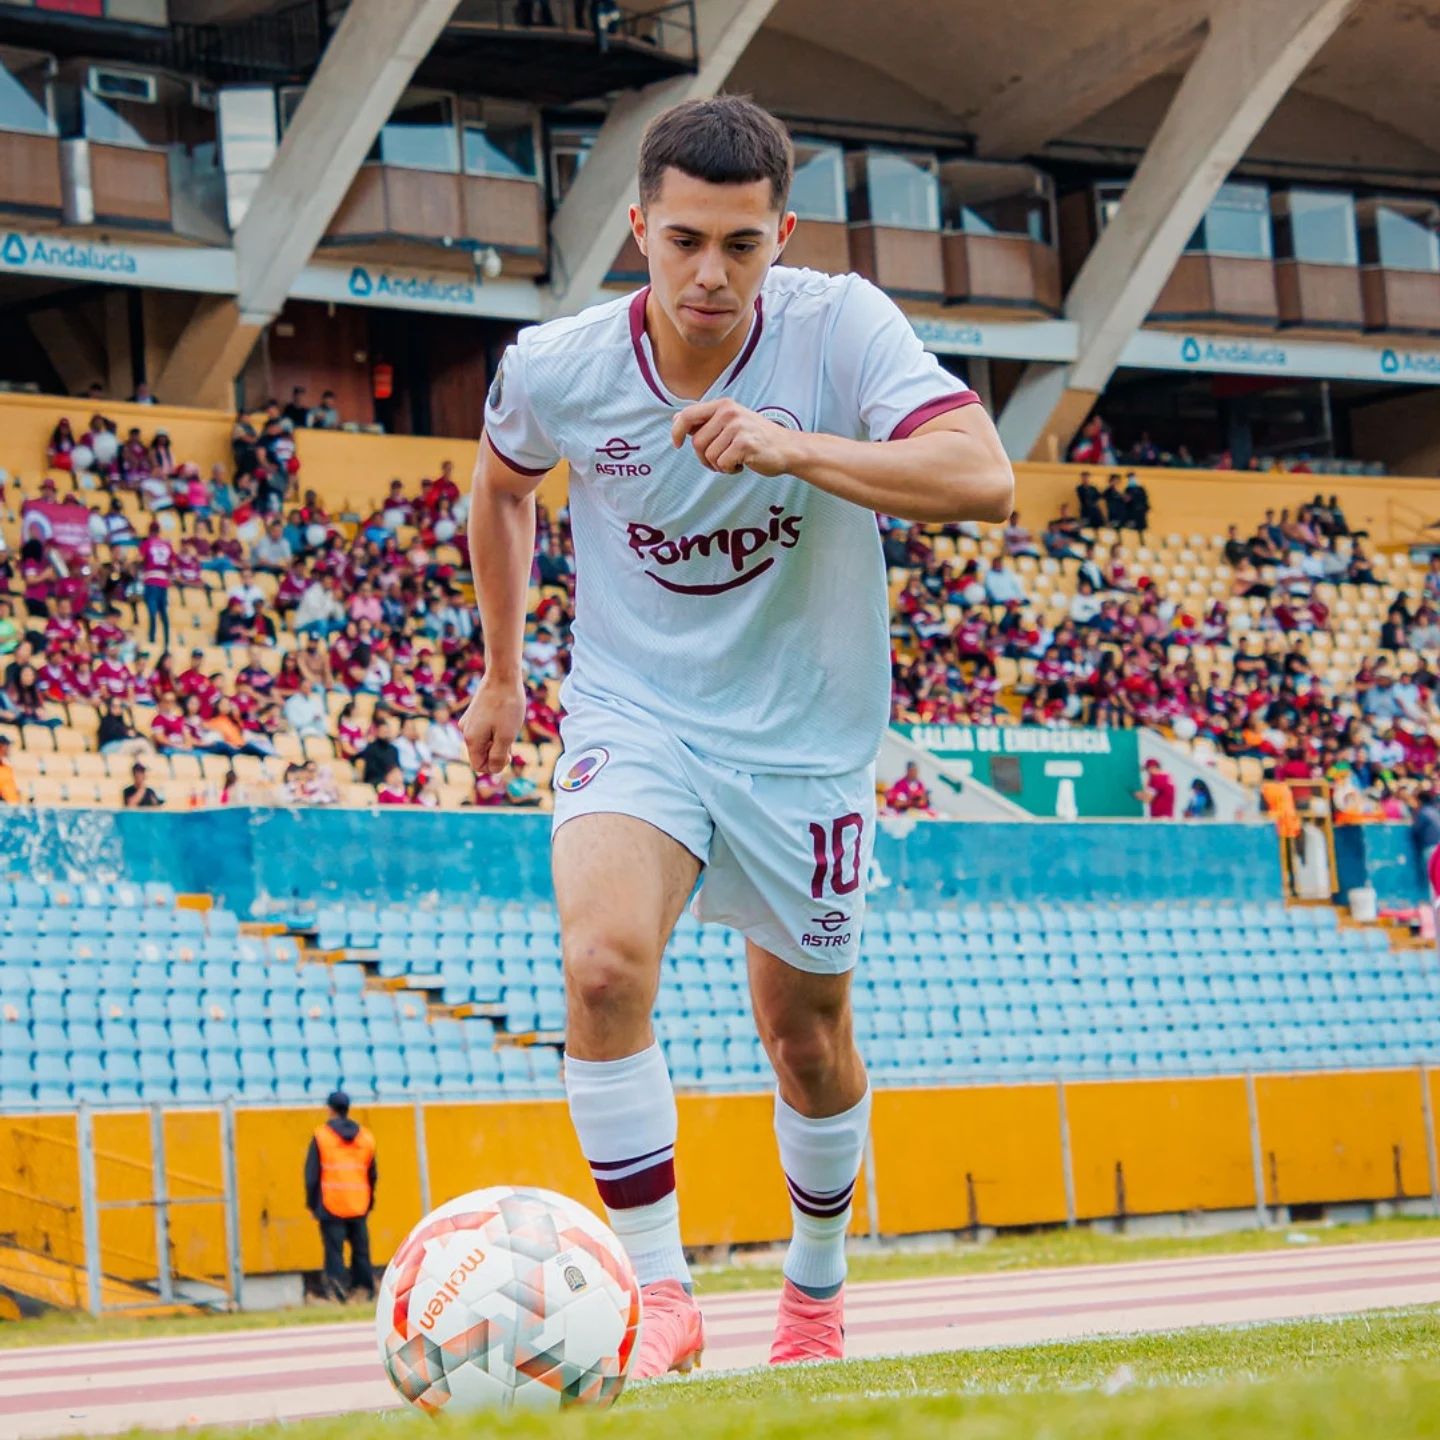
(583, 769)
(738, 545)
(779, 415)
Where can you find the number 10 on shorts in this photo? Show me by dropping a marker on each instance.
(836, 847)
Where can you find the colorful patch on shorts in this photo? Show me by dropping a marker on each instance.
(583, 769)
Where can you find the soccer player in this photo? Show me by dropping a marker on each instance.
(730, 683)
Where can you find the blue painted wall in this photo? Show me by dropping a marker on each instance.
(1385, 854)
(251, 857)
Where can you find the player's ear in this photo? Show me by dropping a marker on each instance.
(637, 227)
(787, 229)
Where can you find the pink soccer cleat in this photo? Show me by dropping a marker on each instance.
(672, 1334)
(808, 1329)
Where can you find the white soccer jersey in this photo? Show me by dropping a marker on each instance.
(747, 615)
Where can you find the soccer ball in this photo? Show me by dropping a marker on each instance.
(508, 1298)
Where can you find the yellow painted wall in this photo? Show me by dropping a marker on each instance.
(39, 1170)
(1202, 502)
(1333, 1136)
(1006, 1138)
(194, 1169)
(124, 1172)
(1184, 1145)
(27, 420)
(348, 471)
(352, 470)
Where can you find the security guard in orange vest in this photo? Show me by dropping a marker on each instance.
(340, 1180)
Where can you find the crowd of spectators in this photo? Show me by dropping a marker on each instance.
(1095, 445)
(371, 609)
(1122, 653)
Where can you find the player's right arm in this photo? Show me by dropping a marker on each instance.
(501, 529)
(514, 455)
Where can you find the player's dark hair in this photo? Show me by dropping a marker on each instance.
(726, 140)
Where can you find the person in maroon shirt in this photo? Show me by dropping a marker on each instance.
(255, 675)
(157, 560)
(391, 790)
(440, 491)
(169, 729)
(908, 793)
(1158, 792)
(542, 723)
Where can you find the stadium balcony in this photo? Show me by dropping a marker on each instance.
(555, 52)
(543, 51)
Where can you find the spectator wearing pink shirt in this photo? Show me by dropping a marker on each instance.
(365, 605)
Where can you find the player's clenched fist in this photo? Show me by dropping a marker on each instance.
(491, 722)
(727, 437)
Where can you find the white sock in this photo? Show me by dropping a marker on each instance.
(821, 1159)
(624, 1114)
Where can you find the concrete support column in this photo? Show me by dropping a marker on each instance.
(120, 376)
(75, 350)
(365, 69)
(1253, 53)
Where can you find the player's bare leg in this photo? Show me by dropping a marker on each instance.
(620, 885)
(822, 1115)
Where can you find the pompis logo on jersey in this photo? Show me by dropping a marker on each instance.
(738, 544)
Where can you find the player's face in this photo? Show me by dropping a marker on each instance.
(709, 247)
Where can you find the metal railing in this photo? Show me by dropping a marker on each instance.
(668, 28)
(275, 45)
(97, 1259)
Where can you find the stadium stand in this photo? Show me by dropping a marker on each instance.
(1183, 623)
(115, 994)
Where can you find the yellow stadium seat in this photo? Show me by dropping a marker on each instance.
(30, 763)
(186, 767)
(250, 769)
(213, 767)
(46, 790)
(288, 747)
(71, 741)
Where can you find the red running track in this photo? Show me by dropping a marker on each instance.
(257, 1375)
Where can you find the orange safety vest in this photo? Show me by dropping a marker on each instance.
(345, 1172)
(1280, 800)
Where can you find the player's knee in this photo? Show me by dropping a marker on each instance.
(805, 1054)
(605, 974)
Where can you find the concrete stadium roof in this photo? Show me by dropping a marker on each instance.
(1030, 73)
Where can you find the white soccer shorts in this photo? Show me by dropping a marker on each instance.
(786, 856)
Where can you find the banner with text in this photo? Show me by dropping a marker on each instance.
(1044, 771)
(67, 527)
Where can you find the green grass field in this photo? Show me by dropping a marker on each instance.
(1006, 1252)
(1373, 1377)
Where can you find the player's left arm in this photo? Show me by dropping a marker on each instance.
(953, 467)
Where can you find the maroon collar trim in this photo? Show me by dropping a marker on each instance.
(637, 333)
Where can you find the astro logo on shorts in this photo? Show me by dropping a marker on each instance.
(836, 932)
(583, 769)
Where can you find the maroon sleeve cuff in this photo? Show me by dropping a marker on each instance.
(940, 405)
(515, 464)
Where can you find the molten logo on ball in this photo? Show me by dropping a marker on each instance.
(450, 1289)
